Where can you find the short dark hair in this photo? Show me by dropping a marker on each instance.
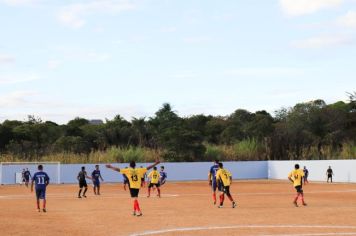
(40, 167)
(83, 167)
(132, 164)
(296, 166)
(162, 167)
(96, 166)
(221, 165)
(155, 168)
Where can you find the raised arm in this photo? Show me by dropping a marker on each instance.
(153, 165)
(112, 167)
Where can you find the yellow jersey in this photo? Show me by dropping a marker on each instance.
(154, 176)
(296, 176)
(224, 176)
(134, 175)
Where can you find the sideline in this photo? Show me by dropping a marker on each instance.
(163, 231)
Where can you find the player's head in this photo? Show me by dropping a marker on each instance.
(305, 167)
(162, 167)
(40, 167)
(132, 164)
(216, 161)
(221, 165)
(296, 166)
(155, 168)
(329, 167)
(97, 167)
(83, 167)
(26, 168)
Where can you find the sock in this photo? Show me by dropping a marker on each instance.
(214, 197)
(80, 191)
(221, 200)
(137, 206)
(44, 203)
(85, 190)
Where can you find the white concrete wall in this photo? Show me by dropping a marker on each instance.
(344, 170)
(182, 171)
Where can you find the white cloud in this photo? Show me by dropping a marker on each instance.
(18, 78)
(74, 15)
(53, 64)
(323, 41)
(17, 98)
(20, 2)
(264, 71)
(197, 39)
(304, 7)
(6, 59)
(348, 20)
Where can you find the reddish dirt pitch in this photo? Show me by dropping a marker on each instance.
(264, 208)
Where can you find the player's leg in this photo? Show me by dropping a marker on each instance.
(214, 187)
(149, 190)
(85, 190)
(158, 190)
(228, 194)
(43, 196)
(81, 185)
(38, 199)
(98, 188)
(222, 194)
(94, 188)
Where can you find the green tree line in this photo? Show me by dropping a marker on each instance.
(312, 130)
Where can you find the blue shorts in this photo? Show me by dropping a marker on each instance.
(41, 193)
(214, 185)
(96, 183)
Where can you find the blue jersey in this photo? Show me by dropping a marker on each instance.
(27, 174)
(213, 171)
(96, 174)
(163, 176)
(41, 180)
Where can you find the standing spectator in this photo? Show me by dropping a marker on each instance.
(329, 174)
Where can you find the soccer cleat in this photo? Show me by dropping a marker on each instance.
(44, 210)
(214, 202)
(304, 204)
(134, 213)
(139, 214)
(84, 196)
(234, 204)
(220, 206)
(39, 210)
(295, 204)
(79, 196)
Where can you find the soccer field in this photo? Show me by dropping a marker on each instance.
(264, 208)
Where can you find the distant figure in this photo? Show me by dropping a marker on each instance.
(95, 177)
(163, 175)
(82, 182)
(22, 176)
(154, 177)
(212, 179)
(224, 179)
(41, 181)
(296, 177)
(143, 179)
(306, 173)
(329, 174)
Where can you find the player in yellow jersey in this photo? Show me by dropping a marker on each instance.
(296, 177)
(134, 175)
(154, 177)
(224, 179)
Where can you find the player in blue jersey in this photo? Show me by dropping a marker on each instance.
(27, 176)
(163, 175)
(41, 181)
(212, 178)
(96, 176)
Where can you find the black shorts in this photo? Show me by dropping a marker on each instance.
(126, 181)
(151, 185)
(134, 192)
(299, 189)
(330, 175)
(224, 189)
(41, 193)
(83, 183)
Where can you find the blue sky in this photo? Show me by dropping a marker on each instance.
(61, 59)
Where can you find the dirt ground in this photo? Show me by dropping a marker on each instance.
(185, 208)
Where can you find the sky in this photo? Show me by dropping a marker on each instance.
(61, 59)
